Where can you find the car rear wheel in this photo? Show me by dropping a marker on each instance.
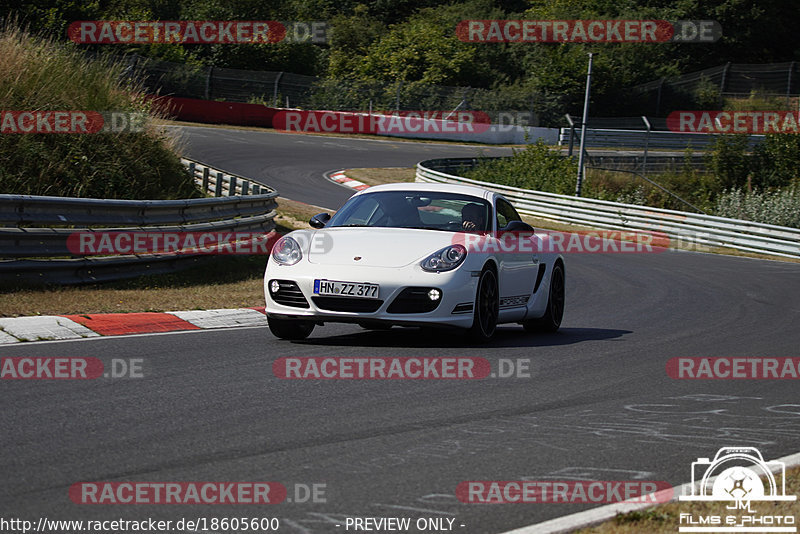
(551, 320)
(292, 329)
(487, 307)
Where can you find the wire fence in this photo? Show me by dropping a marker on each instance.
(289, 90)
(709, 86)
(703, 89)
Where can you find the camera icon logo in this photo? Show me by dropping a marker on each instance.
(738, 474)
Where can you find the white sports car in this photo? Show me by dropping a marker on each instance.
(414, 254)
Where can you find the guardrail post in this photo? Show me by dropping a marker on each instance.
(232, 187)
(205, 179)
(218, 184)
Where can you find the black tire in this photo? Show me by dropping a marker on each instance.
(292, 329)
(487, 307)
(551, 320)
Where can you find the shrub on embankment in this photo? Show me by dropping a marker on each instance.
(38, 74)
(762, 187)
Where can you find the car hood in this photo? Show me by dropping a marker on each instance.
(376, 247)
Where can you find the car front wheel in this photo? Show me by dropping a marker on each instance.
(487, 307)
(292, 329)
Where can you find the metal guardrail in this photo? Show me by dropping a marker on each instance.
(607, 137)
(687, 228)
(221, 183)
(41, 255)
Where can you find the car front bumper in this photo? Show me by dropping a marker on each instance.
(454, 307)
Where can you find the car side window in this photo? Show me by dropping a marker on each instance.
(505, 214)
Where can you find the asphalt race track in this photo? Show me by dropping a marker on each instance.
(293, 163)
(598, 404)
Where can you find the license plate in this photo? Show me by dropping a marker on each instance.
(346, 289)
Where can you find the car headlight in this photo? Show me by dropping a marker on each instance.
(286, 251)
(446, 259)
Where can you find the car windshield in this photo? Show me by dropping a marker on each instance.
(430, 210)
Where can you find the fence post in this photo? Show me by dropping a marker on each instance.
(232, 187)
(789, 83)
(219, 182)
(205, 179)
(571, 134)
(397, 97)
(208, 82)
(646, 142)
(275, 90)
(723, 80)
(658, 96)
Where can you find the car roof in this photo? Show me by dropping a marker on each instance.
(423, 186)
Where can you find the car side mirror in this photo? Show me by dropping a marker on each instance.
(518, 226)
(319, 220)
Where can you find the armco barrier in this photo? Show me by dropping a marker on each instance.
(40, 255)
(689, 228)
(616, 138)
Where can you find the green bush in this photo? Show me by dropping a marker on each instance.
(776, 161)
(39, 74)
(729, 161)
(781, 207)
(535, 167)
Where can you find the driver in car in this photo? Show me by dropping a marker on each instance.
(472, 218)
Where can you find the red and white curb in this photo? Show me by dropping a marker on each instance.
(57, 327)
(341, 178)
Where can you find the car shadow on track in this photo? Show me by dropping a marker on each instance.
(505, 337)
